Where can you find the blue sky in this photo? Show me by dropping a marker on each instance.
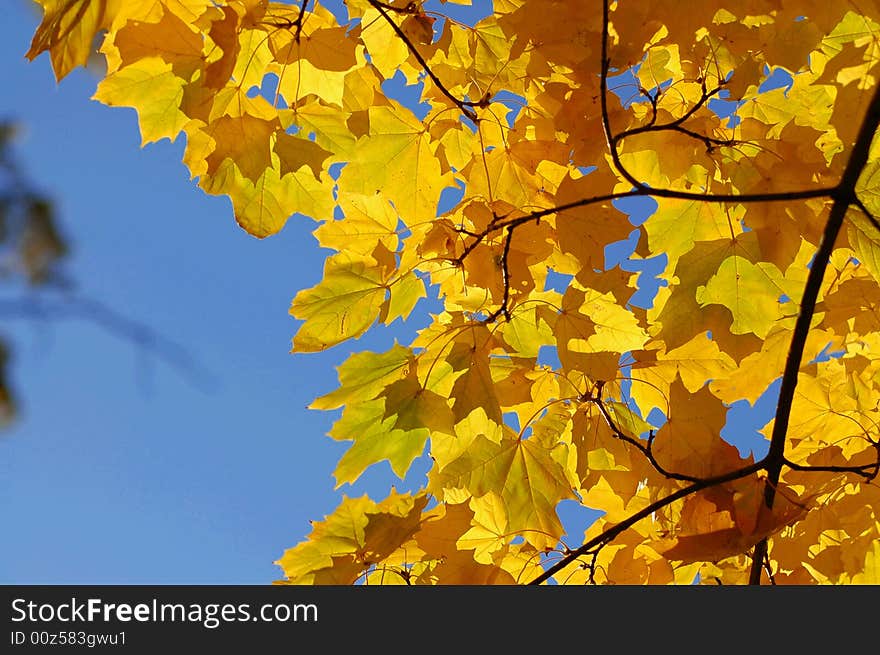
(124, 469)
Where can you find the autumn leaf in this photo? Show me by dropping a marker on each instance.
(364, 375)
(396, 158)
(358, 534)
(522, 473)
(67, 31)
(721, 522)
(394, 427)
(344, 305)
(151, 87)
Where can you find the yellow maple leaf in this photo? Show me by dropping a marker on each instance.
(150, 86)
(522, 473)
(871, 573)
(488, 532)
(366, 222)
(342, 306)
(364, 375)
(355, 536)
(396, 158)
(750, 291)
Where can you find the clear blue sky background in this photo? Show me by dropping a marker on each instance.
(123, 469)
(126, 470)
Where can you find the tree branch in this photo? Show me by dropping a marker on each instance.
(844, 195)
(145, 338)
(867, 471)
(503, 309)
(646, 450)
(465, 106)
(612, 532)
(612, 140)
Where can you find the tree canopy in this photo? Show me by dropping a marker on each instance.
(633, 217)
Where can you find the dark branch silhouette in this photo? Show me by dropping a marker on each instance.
(612, 532)
(145, 338)
(466, 106)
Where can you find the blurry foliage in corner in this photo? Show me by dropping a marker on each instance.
(31, 247)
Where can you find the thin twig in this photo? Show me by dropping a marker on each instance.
(611, 533)
(465, 106)
(646, 450)
(94, 311)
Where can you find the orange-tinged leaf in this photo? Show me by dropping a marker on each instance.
(170, 39)
(330, 49)
(721, 522)
(394, 521)
(690, 442)
(474, 387)
(584, 232)
(419, 28)
(245, 141)
(295, 152)
(68, 32)
(224, 33)
(439, 538)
